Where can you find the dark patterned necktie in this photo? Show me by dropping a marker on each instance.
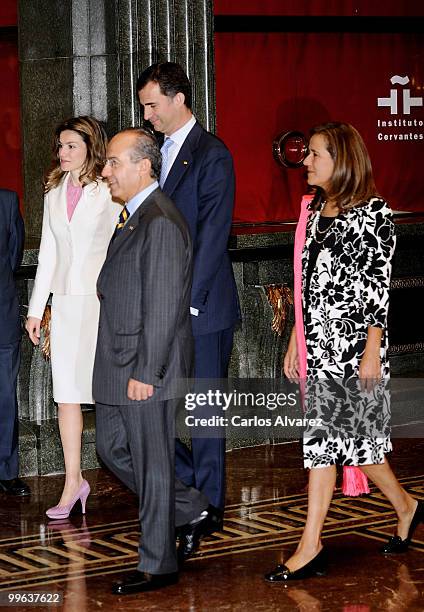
(123, 216)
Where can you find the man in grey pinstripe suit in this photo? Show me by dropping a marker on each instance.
(144, 345)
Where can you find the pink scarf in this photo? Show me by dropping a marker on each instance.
(354, 480)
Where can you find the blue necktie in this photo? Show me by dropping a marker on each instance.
(165, 160)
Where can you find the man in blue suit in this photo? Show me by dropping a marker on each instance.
(198, 175)
(11, 246)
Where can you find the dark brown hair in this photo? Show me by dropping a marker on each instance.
(171, 79)
(352, 182)
(94, 136)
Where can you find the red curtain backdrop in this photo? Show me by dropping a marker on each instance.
(319, 7)
(270, 83)
(8, 12)
(10, 128)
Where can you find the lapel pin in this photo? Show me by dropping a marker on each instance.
(185, 162)
(131, 227)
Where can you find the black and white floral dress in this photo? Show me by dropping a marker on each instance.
(346, 291)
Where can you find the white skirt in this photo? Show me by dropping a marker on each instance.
(73, 337)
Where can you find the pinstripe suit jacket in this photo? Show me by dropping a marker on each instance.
(144, 290)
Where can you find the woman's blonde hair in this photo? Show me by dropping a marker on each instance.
(352, 182)
(94, 136)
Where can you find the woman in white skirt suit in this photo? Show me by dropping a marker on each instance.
(79, 220)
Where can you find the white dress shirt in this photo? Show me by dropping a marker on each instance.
(178, 139)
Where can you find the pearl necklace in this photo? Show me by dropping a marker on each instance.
(315, 228)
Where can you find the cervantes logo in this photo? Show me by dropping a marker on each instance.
(401, 103)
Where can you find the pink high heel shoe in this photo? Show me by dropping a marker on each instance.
(61, 512)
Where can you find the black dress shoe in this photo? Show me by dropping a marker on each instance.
(140, 582)
(316, 567)
(191, 534)
(395, 544)
(15, 486)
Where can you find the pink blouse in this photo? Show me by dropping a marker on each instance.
(73, 196)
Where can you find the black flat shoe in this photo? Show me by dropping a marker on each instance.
(316, 567)
(395, 544)
(190, 535)
(15, 486)
(141, 582)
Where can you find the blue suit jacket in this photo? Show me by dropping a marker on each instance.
(11, 247)
(201, 184)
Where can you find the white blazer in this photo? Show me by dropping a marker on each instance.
(72, 252)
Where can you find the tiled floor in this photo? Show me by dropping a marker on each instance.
(266, 507)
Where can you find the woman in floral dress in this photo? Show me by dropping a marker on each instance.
(346, 267)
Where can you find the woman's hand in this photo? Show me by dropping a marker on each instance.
(370, 365)
(32, 326)
(291, 359)
(369, 371)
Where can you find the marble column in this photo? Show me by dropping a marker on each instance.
(152, 31)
